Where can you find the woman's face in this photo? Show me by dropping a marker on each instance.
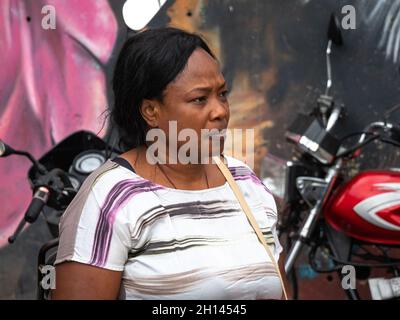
(196, 99)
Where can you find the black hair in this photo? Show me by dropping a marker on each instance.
(147, 63)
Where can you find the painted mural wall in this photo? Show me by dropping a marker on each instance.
(57, 81)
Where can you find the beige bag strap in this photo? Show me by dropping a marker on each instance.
(243, 203)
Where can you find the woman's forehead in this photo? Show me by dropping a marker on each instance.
(201, 70)
(200, 57)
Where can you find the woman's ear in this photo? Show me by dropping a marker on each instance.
(150, 112)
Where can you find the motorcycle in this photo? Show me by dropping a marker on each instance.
(341, 219)
(55, 179)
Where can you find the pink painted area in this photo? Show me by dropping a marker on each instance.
(52, 83)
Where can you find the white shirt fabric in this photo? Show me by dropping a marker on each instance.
(174, 244)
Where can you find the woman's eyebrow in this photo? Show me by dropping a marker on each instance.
(207, 89)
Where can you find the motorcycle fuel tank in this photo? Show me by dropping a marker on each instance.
(368, 207)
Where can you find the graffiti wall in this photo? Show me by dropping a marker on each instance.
(56, 75)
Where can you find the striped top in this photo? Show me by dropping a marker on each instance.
(170, 243)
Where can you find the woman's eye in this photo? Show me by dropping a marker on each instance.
(199, 100)
(224, 94)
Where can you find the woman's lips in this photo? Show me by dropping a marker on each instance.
(217, 133)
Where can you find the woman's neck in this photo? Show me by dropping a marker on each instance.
(182, 175)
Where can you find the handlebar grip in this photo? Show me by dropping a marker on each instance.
(39, 200)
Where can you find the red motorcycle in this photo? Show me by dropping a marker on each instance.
(342, 219)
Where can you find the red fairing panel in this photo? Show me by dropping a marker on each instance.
(368, 207)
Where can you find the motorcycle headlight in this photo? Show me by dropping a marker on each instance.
(86, 162)
(310, 137)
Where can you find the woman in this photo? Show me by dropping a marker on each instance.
(138, 230)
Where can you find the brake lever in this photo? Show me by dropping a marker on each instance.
(51, 189)
(39, 200)
(20, 227)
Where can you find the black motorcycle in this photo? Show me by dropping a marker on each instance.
(55, 179)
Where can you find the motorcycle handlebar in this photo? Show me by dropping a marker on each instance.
(17, 231)
(370, 129)
(374, 126)
(38, 201)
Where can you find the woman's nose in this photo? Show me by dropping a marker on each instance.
(219, 110)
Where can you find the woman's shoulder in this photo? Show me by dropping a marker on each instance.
(235, 162)
(106, 177)
(243, 173)
(106, 184)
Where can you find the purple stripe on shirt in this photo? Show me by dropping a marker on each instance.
(116, 198)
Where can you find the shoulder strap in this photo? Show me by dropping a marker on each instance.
(235, 188)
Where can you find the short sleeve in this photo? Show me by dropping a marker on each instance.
(94, 230)
(277, 247)
(272, 216)
(270, 209)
